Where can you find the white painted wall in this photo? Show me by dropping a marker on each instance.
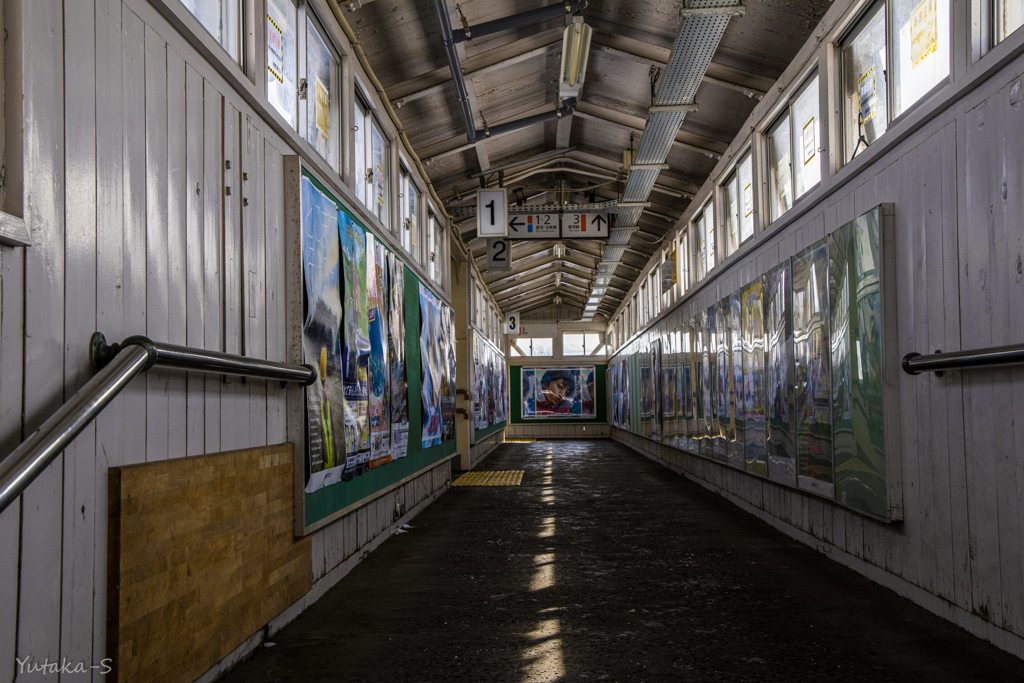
(953, 170)
(129, 132)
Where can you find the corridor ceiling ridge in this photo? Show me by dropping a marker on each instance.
(649, 61)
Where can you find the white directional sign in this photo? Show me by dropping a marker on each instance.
(499, 254)
(585, 225)
(512, 323)
(533, 226)
(492, 213)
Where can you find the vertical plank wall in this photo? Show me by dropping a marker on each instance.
(133, 233)
(155, 199)
(958, 188)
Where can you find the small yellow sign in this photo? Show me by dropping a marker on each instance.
(924, 34)
(323, 108)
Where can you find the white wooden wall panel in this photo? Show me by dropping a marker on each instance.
(254, 259)
(177, 232)
(234, 391)
(158, 383)
(273, 295)
(213, 238)
(42, 502)
(194, 300)
(109, 280)
(79, 525)
(991, 289)
(133, 115)
(11, 339)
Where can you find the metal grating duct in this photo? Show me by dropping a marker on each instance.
(696, 43)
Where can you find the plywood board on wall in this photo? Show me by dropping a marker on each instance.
(201, 556)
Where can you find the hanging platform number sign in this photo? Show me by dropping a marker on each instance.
(499, 254)
(512, 323)
(492, 213)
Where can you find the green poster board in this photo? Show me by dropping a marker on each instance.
(330, 501)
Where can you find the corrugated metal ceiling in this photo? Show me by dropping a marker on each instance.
(515, 74)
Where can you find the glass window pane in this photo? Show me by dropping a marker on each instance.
(778, 168)
(731, 217)
(591, 342)
(220, 18)
(321, 96)
(281, 55)
(920, 40)
(669, 271)
(701, 265)
(865, 107)
(414, 203)
(517, 347)
(572, 344)
(1009, 16)
(379, 152)
(684, 261)
(746, 185)
(709, 236)
(359, 173)
(542, 346)
(807, 123)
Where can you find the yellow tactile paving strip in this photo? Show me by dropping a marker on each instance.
(498, 478)
(520, 440)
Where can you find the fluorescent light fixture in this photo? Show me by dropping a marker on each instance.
(575, 50)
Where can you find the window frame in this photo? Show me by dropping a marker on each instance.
(302, 73)
(240, 31)
(733, 176)
(785, 111)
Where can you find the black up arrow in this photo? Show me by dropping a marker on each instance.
(599, 220)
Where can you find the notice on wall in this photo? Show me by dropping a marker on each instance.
(320, 347)
(431, 369)
(924, 34)
(558, 392)
(810, 141)
(275, 49)
(866, 93)
(356, 347)
(323, 107)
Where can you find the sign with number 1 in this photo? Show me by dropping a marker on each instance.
(492, 213)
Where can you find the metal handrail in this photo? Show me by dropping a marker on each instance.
(993, 356)
(115, 366)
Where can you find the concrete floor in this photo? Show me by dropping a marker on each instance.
(606, 566)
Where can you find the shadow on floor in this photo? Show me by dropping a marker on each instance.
(606, 566)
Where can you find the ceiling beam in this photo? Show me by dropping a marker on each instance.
(477, 65)
(457, 143)
(588, 110)
(491, 68)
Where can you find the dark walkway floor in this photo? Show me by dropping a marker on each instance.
(606, 566)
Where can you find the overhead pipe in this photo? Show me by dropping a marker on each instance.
(533, 16)
(567, 108)
(441, 8)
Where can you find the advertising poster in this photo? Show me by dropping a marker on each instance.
(855, 302)
(447, 374)
(558, 392)
(321, 346)
(430, 368)
(356, 351)
(489, 384)
(399, 384)
(779, 342)
(723, 393)
(654, 392)
(380, 393)
(754, 380)
(812, 413)
(735, 453)
(691, 391)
